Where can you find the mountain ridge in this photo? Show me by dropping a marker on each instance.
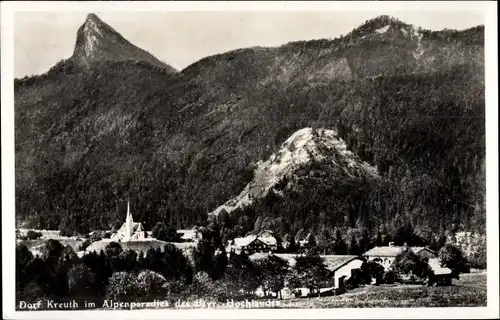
(180, 145)
(94, 19)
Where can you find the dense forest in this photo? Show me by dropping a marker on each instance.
(168, 274)
(178, 145)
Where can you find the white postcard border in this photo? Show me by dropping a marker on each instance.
(8, 196)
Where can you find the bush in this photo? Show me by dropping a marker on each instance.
(80, 281)
(33, 235)
(370, 270)
(151, 285)
(453, 258)
(122, 286)
(389, 277)
(66, 232)
(408, 263)
(165, 233)
(203, 285)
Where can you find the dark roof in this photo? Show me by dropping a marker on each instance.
(332, 262)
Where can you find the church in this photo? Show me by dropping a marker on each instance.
(130, 230)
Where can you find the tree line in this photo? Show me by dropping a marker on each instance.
(207, 272)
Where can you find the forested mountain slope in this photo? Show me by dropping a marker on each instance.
(410, 102)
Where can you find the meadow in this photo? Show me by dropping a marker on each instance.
(469, 291)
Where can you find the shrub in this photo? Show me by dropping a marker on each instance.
(389, 277)
(453, 258)
(33, 235)
(151, 285)
(122, 286)
(80, 281)
(370, 270)
(408, 263)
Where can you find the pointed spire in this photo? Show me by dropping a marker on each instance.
(129, 215)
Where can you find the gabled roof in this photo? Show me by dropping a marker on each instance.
(134, 226)
(243, 242)
(436, 267)
(270, 241)
(289, 257)
(388, 251)
(334, 262)
(420, 249)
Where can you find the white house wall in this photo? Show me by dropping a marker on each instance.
(346, 270)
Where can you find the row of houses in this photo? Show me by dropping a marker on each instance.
(341, 267)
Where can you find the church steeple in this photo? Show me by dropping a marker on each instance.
(128, 223)
(130, 230)
(129, 215)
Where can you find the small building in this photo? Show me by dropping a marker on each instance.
(386, 255)
(442, 276)
(249, 245)
(130, 230)
(270, 241)
(189, 235)
(342, 268)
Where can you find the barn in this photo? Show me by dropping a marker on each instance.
(341, 269)
(442, 276)
(250, 244)
(385, 255)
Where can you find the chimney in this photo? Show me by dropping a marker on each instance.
(391, 244)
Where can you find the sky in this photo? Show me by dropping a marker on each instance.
(41, 39)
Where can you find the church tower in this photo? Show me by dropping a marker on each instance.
(129, 222)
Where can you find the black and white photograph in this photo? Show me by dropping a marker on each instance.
(333, 159)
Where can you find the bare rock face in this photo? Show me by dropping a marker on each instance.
(97, 41)
(302, 147)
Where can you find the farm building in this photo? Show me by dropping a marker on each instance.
(340, 267)
(250, 244)
(442, 276)
(189, 234)
(270, 241)
(385, 255)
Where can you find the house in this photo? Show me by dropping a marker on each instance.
(190, 235)
(385, 255)
(130, 230)
(341, 269)
(249, 244)
(270, 241)
(442, 276)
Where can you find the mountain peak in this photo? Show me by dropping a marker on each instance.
(97, 41)
(95, 24)
(380, 25)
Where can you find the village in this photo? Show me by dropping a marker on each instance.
(341, 272)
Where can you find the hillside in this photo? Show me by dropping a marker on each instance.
(408, 101)
(304, 147)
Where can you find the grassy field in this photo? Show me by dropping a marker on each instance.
(31, 244)
(469, 291)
